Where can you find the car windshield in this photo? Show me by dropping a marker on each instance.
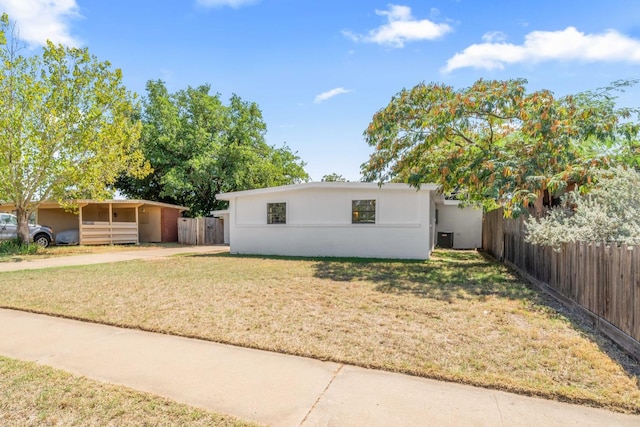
(9, 219)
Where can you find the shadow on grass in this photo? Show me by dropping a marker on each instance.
(448, 275)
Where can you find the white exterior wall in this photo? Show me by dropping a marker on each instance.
(319, 223)
(433, 226)
(465, 224)
(226, 223)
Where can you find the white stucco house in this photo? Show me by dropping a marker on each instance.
(347, 219)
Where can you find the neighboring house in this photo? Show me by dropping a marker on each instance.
(547, 200)
(112, 221)
(347, 219)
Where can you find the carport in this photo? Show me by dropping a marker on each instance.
(113, 221)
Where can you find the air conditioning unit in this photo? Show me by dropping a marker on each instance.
(445, 239)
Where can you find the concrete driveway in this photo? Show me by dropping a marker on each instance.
(101, 258)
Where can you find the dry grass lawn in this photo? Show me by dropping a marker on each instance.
(34, 395)
(458, 317)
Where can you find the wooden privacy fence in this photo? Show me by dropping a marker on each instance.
(200, 231)
(598, 280)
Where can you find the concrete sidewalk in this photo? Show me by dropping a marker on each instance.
(107, 257)
(273, 388)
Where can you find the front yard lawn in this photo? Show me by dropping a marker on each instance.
(458, 317)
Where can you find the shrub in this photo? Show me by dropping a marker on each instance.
(608, 211)
(15, 247)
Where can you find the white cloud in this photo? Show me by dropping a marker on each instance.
(539, 46)
(400, 28)
(40, 20)
(222, 3)
(494, 36)
(330, 94)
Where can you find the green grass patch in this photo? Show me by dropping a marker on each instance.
(458, 317)
(13, 247)
(32, 394)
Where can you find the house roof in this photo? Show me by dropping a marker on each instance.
(326, 185)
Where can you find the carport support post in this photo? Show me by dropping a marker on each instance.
(110, 224)
(137, 225)
(80, 225)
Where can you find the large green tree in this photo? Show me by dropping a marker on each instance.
(199, 147)
(610, 142)
(494, 143)
(66, 127)
(334, 177)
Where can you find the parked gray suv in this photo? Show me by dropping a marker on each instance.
(40, 234)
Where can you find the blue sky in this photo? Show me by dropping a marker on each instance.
(320, 69)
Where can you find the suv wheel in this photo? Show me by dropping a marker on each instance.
(42, 240)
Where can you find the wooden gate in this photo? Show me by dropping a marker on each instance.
(213, 231)
(200, 231)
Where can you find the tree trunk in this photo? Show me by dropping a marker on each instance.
(23, 225)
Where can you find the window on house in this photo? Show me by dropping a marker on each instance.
(276, 213)
(363, 211)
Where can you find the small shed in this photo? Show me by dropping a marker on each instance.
(112, 221)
